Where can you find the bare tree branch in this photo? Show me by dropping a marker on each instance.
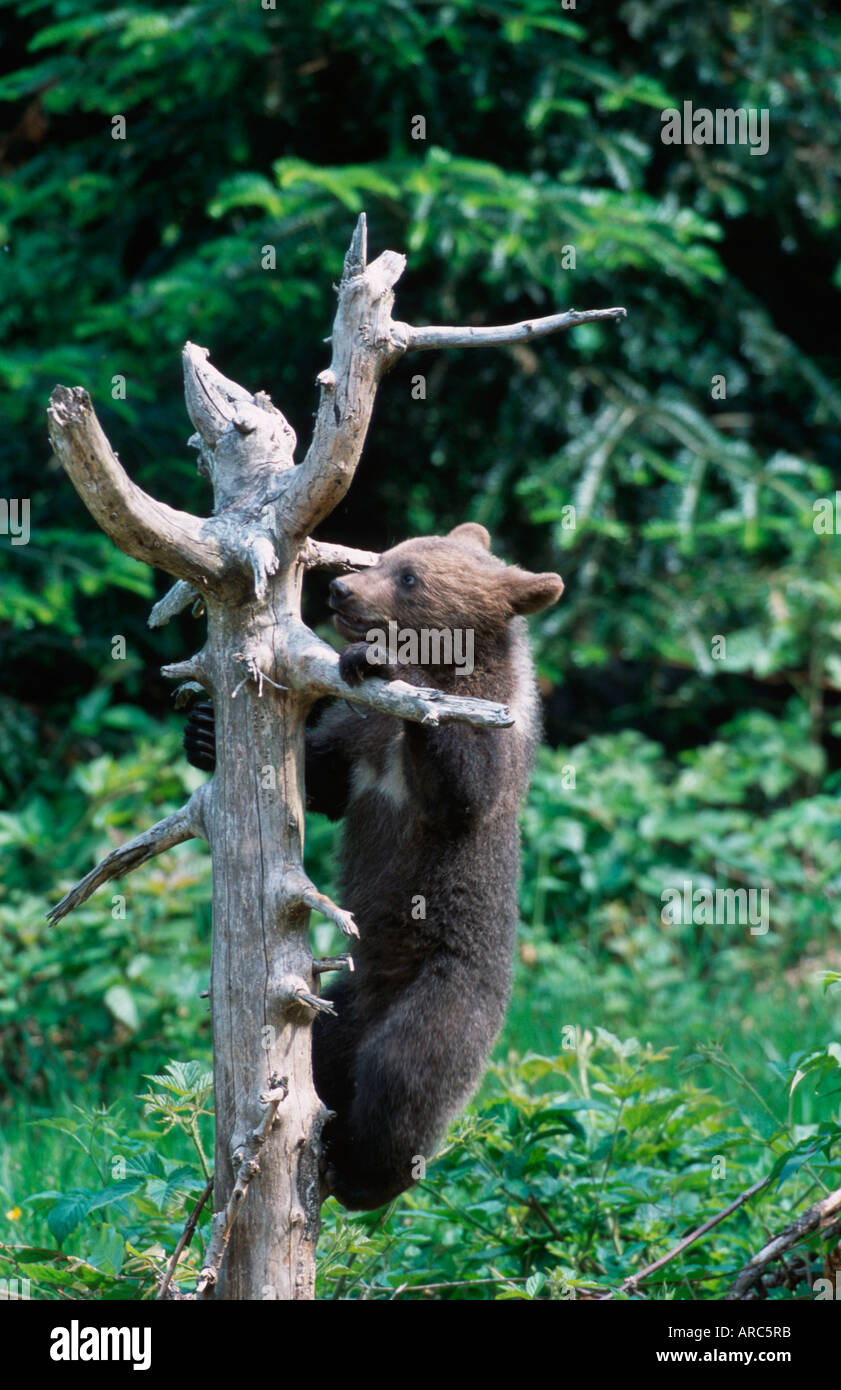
(314, 555)
(433, 336)
(184, 824)
(629, 1285)
(140, 525)
(174, 601)
(247, 1164)
(314, 667)
(366, 341)
(362, 350)
(324, 555)
(824, 1215)
(299, 890)
(183, 1241)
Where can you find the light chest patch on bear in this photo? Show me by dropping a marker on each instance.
(390, 782)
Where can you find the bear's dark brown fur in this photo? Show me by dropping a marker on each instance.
(429, 859)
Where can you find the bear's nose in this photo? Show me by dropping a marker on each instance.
(339, 591)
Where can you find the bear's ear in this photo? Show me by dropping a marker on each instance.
(528, 593)
(471, 533)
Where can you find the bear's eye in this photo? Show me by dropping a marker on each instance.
(408, 580)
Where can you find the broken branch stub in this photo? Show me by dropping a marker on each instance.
(314, 555)
(263, 669)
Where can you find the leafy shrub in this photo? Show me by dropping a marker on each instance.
(570, 1178)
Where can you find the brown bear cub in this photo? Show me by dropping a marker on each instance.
(430, 851)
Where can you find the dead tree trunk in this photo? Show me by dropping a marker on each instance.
(263, 669)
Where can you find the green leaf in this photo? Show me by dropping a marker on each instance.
(120, 1002)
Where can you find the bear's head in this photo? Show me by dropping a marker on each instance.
(447, 582)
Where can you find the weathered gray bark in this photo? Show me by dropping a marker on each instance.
(263, 669)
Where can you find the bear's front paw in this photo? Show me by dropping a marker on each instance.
(354, 665)
(200, 737)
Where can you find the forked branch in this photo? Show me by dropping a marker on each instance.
(366, 342)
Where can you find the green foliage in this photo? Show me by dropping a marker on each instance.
(123, 974)
(614, 824)
(752, 806)
(184, 1090)
(576, 1173)
(575, 1169)
(117, 1222)
(693, 513)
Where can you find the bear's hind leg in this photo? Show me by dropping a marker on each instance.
(412, 1072)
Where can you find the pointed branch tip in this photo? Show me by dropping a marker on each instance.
(356, 258)
(443, 336)
(184, 824)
